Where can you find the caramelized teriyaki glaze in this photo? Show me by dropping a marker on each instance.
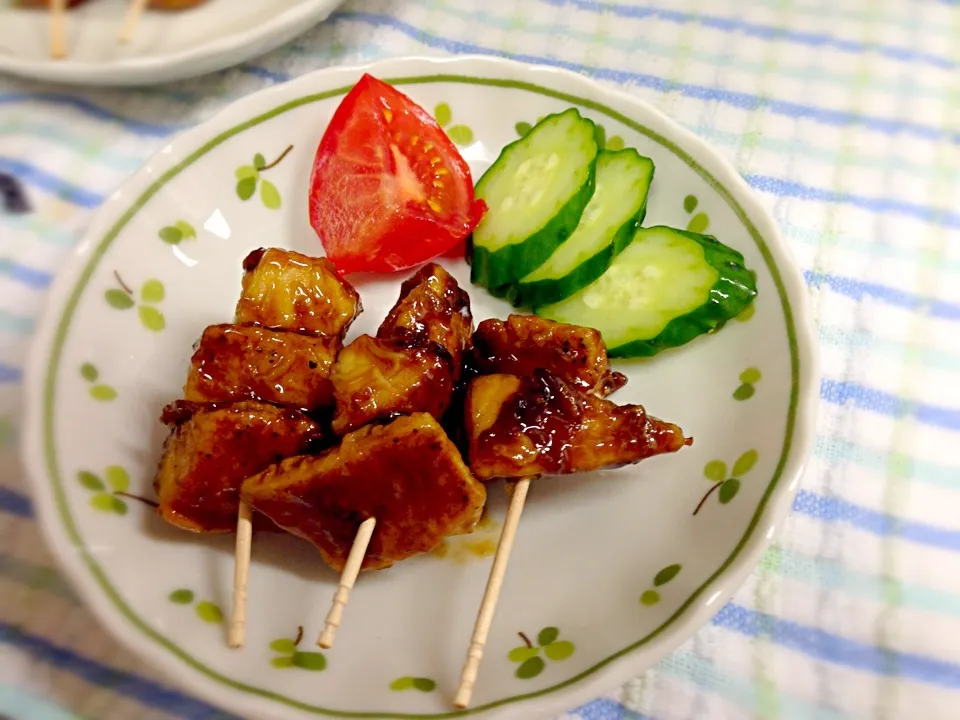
(287, 290)
(541, 425)
(432, 310)
(407, 474)
(213, 447)
(522, 344)
(237, 362)
(376, 379)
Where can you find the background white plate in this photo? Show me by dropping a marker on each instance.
(593, 550)
(168, 45)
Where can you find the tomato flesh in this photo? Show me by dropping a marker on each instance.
(389, 190)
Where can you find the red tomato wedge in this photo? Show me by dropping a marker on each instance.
(389, 190)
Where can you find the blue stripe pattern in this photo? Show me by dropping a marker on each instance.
(9, 374)
(14, 503)
(764, 32)
(50, 183)
(21, 273)
(121, 682)
(835, 649)
(95, 111)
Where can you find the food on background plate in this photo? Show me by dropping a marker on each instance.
(389, 190)
(376, 379)
(406, 474)
(213, 447)
(539, 425)
(523, 344)
(285, 289)
(235, 362)
(666, 288)
(535, 193)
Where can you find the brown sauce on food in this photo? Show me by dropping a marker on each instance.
(406, 474)
(522, 344)
(235, 362)
(432, 310)
(375, 379)
(284, 289)
(547, 427)
(213, 448)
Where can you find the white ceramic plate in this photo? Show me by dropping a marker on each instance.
(168, 45)
(610, 570)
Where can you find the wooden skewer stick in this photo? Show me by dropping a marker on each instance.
(347, 578)
(131, 20)
(58, 29)
(468, 676)
(241, 576)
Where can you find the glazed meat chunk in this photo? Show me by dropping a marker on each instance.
(407, 474)
(522, 344)
(540, 425)
(287, 290)
(432, 309)
(376, 379)
(212, 448)
(238, 362)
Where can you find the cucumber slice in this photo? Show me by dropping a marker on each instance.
(666, 288)
(612, 216)
(535, 192)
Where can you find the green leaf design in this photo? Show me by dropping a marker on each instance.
(698, 223)
(208, 612)
(151, 318)
(310, 661)
(259, 161)
(650, 597)
(186, 229)
(559, 650)
(104, 502)
(246, 188)
(117, 478)
(522, 653)
(152, 291)
(89, 372)
(443, 114)
(283, 645)
(103, 393)
(729, 489)
(118, 299)
(745, 463)
(181, 596)
(600, 136)
(284, 661)
(530, 668)
(269, 195)
(715, 470)
(424, 684)
(245, 172)
(402, 683)
(750, 375)
(690, 203)
(547, 636)
(614, 143)
(171, 235)
(523, 128)
(666, 575)
(90, 481)
(744, 392)
(461, 134)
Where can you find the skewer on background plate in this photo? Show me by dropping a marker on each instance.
(131, 20)
(58, 29)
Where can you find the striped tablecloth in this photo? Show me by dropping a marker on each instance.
(845, 117)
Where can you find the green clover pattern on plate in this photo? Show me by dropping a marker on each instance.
(729, 485)
(529, 657)
(115, 480)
